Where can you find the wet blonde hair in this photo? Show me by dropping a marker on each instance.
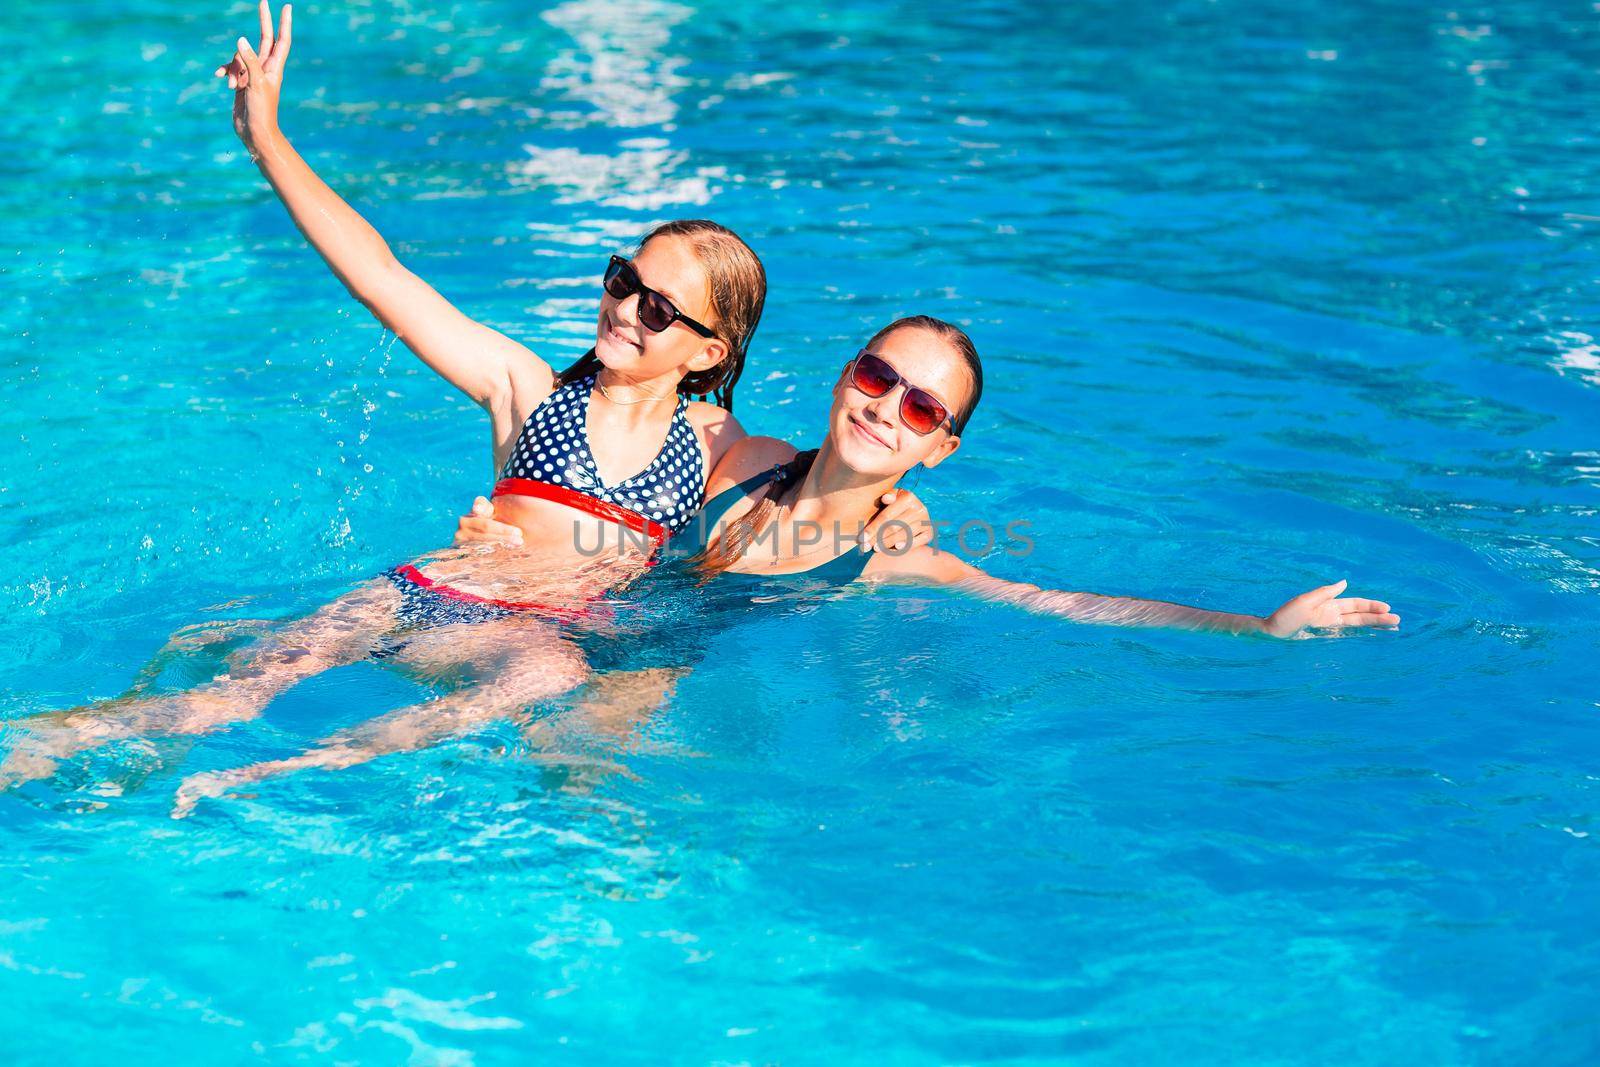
(738, 284)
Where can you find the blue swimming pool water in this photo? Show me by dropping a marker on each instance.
(1270, 294)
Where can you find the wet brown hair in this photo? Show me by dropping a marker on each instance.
(738, 285)
(737, 535)
(956, 338)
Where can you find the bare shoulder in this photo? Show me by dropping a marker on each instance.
(716, 427)
(713, 420)
(746, 458)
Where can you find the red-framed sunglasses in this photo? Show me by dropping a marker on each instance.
(656, 312)
(920, 410)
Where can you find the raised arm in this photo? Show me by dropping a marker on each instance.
(498, 373)
(1321, 608)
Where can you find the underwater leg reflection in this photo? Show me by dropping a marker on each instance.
(505, 665)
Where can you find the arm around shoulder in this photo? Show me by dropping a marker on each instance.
(923, 565)
(745, 458)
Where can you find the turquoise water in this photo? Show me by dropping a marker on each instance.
(1269, 294)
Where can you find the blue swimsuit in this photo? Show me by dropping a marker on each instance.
(841, 570)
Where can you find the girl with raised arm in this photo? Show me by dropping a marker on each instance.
(598, 464)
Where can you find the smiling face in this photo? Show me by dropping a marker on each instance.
(669, 265)
(869, 435)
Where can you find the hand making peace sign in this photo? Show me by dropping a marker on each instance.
(256, 76)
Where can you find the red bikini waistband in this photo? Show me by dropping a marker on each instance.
(602, 509)
(416, 577)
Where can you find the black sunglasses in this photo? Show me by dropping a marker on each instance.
(920, 410)
(656, 312)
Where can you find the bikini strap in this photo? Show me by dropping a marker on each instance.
(723, 502)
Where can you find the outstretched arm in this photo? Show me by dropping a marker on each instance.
(495, 371)
(1321, 608)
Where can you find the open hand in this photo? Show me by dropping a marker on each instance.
(1324, 609)
(256, 76)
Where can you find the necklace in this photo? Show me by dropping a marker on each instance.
(778, 559)
(648, 395)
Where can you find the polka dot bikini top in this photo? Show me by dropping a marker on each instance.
(553, 449)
